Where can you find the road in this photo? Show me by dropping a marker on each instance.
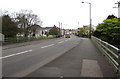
(21, 61)
(84, 60)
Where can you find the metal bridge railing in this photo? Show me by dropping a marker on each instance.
(110, 51)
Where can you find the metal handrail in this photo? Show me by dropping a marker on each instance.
(110, 51)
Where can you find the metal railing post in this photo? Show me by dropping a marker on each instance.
(111, 52)
(119, 61)
(119, 64)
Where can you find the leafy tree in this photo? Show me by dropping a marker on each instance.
(53, 31)
(9, 27)
(109, 31)
(85, 31)
(109, 27)
(81, 32)
(111, 17)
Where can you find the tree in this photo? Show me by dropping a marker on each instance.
(53, 31)
(85, 31)
(111, 17)
(81, 32)
(26, 20)
(9, 27)
(109, 31)
(109, 27)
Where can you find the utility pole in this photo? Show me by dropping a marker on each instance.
(118, 3)
(59, 28)
(78, 24)
(119, 9)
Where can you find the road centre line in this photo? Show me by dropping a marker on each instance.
(48, 46)
(15, 54)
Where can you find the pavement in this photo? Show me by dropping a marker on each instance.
(83, 60)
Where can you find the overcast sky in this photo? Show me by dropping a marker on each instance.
(69, 12)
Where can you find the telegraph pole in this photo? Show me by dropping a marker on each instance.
(59, 28)
(78, 24)
(118, 3)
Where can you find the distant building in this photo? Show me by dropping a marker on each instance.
(87, 28)
(38, 32)
(67, 31)
(71, 31)
(45, 30)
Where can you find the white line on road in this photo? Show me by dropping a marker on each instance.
(60, 42)
(15, 54)
(48, 46)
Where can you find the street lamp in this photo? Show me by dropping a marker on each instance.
(90, 17)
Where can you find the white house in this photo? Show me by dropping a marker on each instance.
(45, 30)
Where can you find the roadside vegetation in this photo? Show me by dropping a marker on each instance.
(109, 30)
(84, 31)
(23, 26)
(54, 31)
(24, 23)
(23, 39)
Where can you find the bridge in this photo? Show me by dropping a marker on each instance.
(61, 57)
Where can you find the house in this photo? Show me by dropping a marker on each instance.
(35, 31)
(62, 32)
(45, 30)
(42, 31)
(39, 32)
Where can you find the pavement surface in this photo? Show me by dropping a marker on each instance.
(83, 60)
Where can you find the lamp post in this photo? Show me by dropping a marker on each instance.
(90, 17)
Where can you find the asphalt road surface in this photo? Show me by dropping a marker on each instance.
(84, 60)
(21, 61)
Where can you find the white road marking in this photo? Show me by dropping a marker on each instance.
(15, 54)
(60, 42)
(48, 46)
